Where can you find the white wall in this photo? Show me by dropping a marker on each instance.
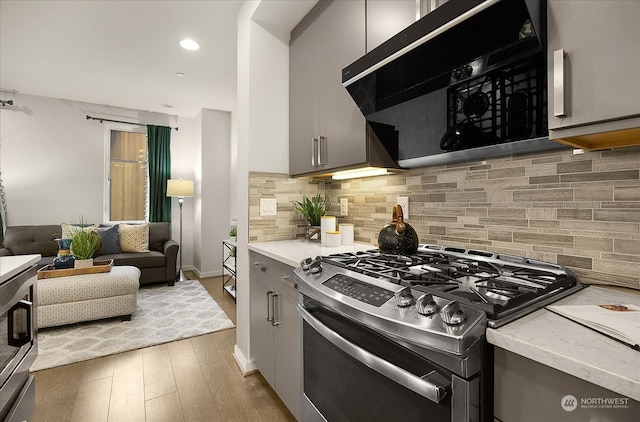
(269, 102)
(241, 349)
(262, 139)
(212, 190)
(53, 165)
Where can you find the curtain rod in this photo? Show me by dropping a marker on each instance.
(120, 121)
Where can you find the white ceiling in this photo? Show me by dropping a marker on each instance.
(125, 53)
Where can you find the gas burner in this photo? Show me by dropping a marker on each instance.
(496, 284)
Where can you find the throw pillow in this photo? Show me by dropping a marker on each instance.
(68, 230)
(134, 237)
(110, 237)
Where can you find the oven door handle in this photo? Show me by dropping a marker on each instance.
(419, 385)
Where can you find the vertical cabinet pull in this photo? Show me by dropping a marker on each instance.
(274, 306)
(322, 150)
(314, 152)
(558, 83)
(269, 307)
(318, 151)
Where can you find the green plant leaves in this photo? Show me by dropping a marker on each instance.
(312, 209)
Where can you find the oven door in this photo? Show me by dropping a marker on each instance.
(352, 373)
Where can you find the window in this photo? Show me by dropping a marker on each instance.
(128, 179)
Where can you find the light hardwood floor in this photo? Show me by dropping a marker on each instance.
(195, 379)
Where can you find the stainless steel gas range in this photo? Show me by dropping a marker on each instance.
(389, 337)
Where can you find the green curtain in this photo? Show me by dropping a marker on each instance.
(159, 147)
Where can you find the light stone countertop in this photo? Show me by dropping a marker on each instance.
(12, 265)
(291, 252)
(567, 346)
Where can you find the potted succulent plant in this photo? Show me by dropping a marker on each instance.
(233, 233)
(312, 209)
(84, 243)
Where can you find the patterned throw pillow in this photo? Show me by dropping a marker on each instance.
(68, 230)
(134, 237)
(110, 237)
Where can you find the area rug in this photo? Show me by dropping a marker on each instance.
(163, 314)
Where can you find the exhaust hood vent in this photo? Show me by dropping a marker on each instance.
(466, 82)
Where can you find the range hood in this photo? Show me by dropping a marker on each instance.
(412, 89)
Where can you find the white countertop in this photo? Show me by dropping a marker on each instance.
(567, 346)
(291, 252)
(12, 265)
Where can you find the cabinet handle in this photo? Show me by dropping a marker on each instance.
(288, 280)
(314, 151)
(322, 147)
(274, 306)
(260, 265)
(269, 307)
(558, 83)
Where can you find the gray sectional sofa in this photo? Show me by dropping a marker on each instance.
(156, 266)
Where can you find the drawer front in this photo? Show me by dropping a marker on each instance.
(276, 273)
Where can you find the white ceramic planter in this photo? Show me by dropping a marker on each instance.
(84, 263)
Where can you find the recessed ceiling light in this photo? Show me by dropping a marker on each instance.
(167, 106)
(188, 44)
(180, 74)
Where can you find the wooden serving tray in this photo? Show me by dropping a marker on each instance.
(98, 267)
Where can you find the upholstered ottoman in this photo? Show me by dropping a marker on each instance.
(87, 297)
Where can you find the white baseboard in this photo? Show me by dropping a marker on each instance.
(245, 365)
(206, 273)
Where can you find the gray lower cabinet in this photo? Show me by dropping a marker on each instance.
(275, 328)
(528, 391)
(594, 69)
(326, 128)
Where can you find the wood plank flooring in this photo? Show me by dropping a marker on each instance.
(195, 379)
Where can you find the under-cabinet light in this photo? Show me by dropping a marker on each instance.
(361, 172)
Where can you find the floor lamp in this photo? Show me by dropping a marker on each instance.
(181, 189)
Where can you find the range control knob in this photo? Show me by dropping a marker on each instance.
(462, 72)
(452, 314)
(311, 264)
(404, 297)
(426, 305)
(315, 267)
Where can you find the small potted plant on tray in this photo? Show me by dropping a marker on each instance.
(312, 209)
(85, 242)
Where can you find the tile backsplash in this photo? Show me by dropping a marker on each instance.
(581, 211)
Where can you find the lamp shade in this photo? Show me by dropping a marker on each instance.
(179, 187)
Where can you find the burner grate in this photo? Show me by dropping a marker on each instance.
(495, 286)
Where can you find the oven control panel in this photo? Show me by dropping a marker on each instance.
(367, 293)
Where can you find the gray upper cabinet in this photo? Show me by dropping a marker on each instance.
(386, 18)
(428, 6)
(326, 129)
(594, 72)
